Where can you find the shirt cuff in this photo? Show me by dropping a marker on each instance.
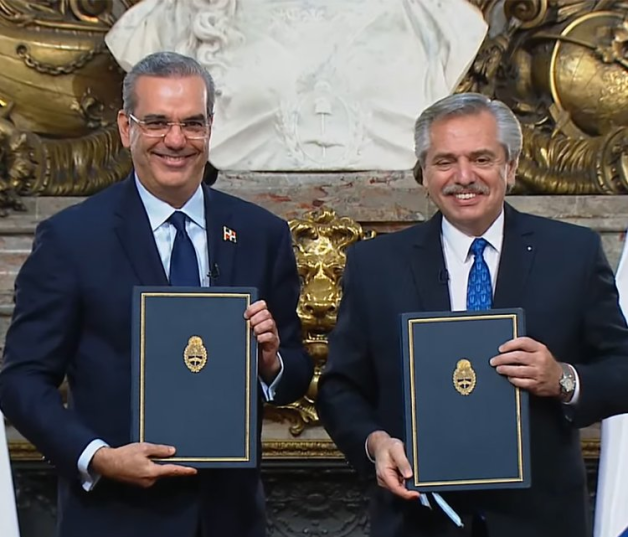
(269, 391)
(576, 393)
(89, 478)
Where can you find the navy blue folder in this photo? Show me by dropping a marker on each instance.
(467, 427)
(194, 374)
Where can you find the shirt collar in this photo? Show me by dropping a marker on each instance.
(460, 243)
(159, 211)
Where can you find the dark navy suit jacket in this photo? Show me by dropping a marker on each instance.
(73, 317)
(558, 273)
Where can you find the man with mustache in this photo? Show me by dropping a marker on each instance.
(573, 361)
(72, 317)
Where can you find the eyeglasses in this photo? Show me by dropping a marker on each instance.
(193, 129)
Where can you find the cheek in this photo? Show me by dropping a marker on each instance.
(141, 147)
(437, 184)
(202, 147)
(135, 143)
(495, 180)
(430, 182)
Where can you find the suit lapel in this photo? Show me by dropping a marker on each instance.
(218, 219)
(428, 266)
(135, 235)
(518, 252)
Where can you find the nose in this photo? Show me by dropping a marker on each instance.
(465, 173)
(175, 138)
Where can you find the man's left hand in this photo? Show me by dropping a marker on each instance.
(529, 365)
(265, 330)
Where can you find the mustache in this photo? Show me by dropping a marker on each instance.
(473, 188)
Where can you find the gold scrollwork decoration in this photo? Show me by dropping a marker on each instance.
(17, 166)
(73, 15)
(558, 164)
(302, 449)
(92, 11)
(91, 109)
(531, 13)
(30, 165)
(562, 66)
(279, 449)
(59, 97)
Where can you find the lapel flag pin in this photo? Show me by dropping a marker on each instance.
(228, 234)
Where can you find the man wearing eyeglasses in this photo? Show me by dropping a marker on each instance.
(73, 318)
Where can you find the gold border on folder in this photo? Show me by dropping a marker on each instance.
(247, 434)
(415, 449)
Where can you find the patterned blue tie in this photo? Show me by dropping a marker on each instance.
(183, 261)
(479, 288)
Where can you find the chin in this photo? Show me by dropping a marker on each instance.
(178, 178)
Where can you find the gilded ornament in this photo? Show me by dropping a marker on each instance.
(60, 91)
(464, 377)
(320, 240)
(195, 354)
(562, 66)
(530, 13)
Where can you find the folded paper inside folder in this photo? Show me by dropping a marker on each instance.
(466, 425)
(194, 374)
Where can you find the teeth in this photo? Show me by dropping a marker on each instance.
(465, 196)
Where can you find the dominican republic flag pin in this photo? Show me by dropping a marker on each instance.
(228, 234)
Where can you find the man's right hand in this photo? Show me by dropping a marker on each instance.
(132, 464)
(391, 465)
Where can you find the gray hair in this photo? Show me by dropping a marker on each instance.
(165, 65)
(467, 104)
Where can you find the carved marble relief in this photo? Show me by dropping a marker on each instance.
(306, 85)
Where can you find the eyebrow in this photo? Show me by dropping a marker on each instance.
(161, 117)
(483, 153)
(474, 154)
(439, 156)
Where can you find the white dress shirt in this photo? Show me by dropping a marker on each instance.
(459, 260)
(164, 232)
(159, 212)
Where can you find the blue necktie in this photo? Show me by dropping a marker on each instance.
(183, 261)
(479, 288)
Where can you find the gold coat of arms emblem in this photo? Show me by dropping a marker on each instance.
(195, 354)
(464, 377)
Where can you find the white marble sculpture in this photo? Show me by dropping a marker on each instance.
(312, 84)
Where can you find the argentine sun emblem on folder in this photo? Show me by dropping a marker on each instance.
(466, 425)
(464, 377)
(194, 374)
(195, 354)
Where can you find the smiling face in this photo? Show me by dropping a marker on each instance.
(170, 168)
(466, 171)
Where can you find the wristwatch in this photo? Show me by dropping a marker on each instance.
(567, 383)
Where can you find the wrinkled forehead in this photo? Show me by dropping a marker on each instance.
(174, 97)
(466, 134)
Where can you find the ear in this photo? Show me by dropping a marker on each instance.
(211, 130)
(425, 177)
(124, 127)
(511, 172)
